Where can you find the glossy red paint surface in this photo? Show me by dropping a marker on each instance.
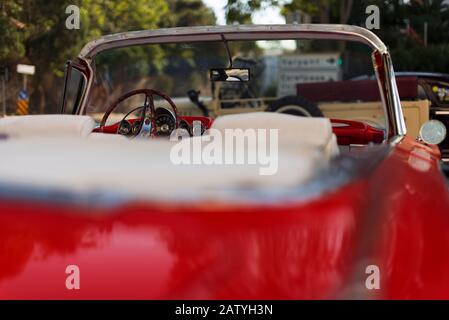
(355, 132)
(396, 218)
(207, 122)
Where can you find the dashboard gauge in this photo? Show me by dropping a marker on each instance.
(165, 124)
(124, 128)
(136, 127)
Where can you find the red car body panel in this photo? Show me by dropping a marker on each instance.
(355, 132)
(395, 217)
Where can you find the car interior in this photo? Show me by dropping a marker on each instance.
(72, 155)
(136, 106)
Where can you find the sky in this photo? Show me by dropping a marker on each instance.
(270, 15)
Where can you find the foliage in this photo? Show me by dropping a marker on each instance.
(34, 32)
(408, 52)
(430, 59)
(240, 11)
(188, 13)
(11, 43)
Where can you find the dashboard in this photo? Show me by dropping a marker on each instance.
(347, 132)
(165, 124)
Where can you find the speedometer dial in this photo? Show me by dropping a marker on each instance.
(137, 125)
(165, 124)
(124, 128)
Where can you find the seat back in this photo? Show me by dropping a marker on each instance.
(46, 125)
(293, 132)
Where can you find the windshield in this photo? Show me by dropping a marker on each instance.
(73, 91)
(290, 76)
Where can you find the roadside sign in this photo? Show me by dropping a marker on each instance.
(289, 80)
(22, 103)
(310, 61)
(26, 69)
(308, 67)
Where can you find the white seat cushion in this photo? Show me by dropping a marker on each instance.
(144, 168)
(46, 125)
(295, 133)
(140, 168)
(106, 137)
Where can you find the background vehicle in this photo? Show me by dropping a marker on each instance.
(329, 97)
(433, 87)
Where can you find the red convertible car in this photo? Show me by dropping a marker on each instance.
(100, 202)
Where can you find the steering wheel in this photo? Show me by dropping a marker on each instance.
(148, 126)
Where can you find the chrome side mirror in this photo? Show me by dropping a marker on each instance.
(432, 132)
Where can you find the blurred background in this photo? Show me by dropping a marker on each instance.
(34, 32)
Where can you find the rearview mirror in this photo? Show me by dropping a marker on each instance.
(233, 75)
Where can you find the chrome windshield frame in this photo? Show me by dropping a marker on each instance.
(383, 65)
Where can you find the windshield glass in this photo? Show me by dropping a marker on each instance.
(316, 77)
(75, 85)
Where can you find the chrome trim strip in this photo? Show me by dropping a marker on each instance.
(397, 121)
(233, 32)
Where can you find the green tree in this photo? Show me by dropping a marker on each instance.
(11, 36)
(240, 11)
(328, 11)
(184, 13)
(409, 52)
(35, 33)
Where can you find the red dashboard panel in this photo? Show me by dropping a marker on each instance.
(207, 122)
(347, 132)
(112, 129)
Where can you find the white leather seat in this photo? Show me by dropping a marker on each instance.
(140, 168)
(46, 125)
(107, 137)
(144, 168)
(295, 133)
